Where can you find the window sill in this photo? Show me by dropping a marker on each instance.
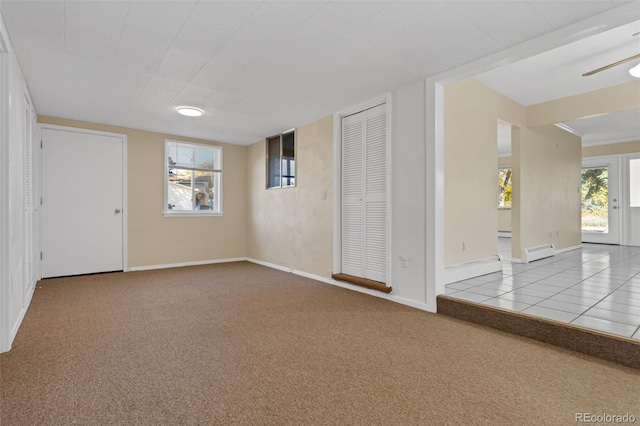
(191, 214)
(504, 208)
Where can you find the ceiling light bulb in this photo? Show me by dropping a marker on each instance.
(190, 111)
(635, 71)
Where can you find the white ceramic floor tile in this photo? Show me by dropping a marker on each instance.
(637, 335)
(471, 297)
(506, 304)
(486, 291)
(459, 286)
(604, 325)
(563, 306)
(576, 300)
(614, 316)
(618, 307)
(532, 292)
(621, 299)
(552, 314)
(521, 298)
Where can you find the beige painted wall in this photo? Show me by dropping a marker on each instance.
(154, 239)
(472, 111)
(611, 149)
(547, 164)
(293, 227)
(504, 220)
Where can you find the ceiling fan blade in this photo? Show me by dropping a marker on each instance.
(615, 64)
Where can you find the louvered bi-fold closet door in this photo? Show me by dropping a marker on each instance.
(364, 194)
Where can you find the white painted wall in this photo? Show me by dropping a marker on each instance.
(14, 300)
(408, 193)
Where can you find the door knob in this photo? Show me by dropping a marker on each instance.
(117, 211)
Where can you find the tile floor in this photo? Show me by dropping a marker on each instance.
(596, 287)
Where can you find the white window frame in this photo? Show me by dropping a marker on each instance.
(217, 150)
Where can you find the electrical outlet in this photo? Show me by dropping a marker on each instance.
(404, 260)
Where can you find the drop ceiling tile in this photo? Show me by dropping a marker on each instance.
(313, 36)
(508, 22)
(211, 25)
(181, 65)
(44, 18)
(303, 8)
(341, 16)
(149, 32)
(193, 95)
(216, 74)
(561, 13)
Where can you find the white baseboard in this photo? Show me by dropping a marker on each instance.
(194, 263)
(531, 254)
(474, 268)
(270, 265)
(331, 281)
(566, 249)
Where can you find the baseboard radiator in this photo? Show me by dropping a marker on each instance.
(537, 253)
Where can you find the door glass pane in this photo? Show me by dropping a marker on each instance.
(634, 182)
(595, 199)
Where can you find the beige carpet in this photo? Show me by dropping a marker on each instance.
(243, 344)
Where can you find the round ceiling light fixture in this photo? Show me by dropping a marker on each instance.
(190, 111)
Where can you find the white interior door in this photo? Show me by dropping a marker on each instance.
(601, 200)
(364, 194)
(82, 193)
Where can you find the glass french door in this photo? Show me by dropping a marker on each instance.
(600, 189)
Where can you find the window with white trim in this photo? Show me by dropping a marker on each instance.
(281, 160)
(193, 179)
(504, 187)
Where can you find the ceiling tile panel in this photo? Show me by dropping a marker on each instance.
(560, 13)
(181, 65)
(341, 16)
(149, 31)
(92, 29)
(509, 22)
(216, 74)
(395, 19)
(211, 24)
(302, 8)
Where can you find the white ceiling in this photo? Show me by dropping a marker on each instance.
(611, 128)
(558, 73)
(255, 67)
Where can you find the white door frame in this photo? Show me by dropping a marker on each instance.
(337, 180)
(5, 326)
(125, 209)
(615, 190)
(625, 202)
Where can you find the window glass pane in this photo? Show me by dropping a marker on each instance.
(595, 199)
(288, 159)
(179, 195)
(203, 191)
(203, 159)
(504, 187)
(634, 182)
(273, 172)
(172, 154)
(184, 157)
